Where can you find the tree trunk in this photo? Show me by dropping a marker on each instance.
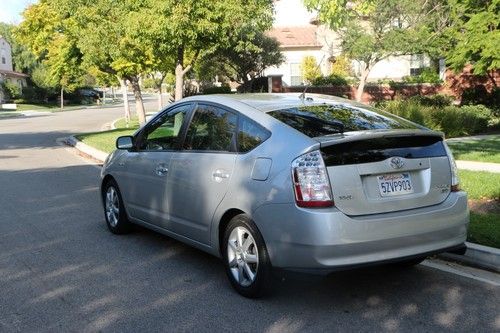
(103, 96)
(179, 74)
(123, 84)
(491, 76)
(179, 82)
(160, 98)
(139, 105)
(362, 81)
(62, 98)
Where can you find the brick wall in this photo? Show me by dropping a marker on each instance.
(454, 86)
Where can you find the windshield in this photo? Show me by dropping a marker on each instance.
(328, 119)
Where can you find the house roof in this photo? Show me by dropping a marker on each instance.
(12, 74)
(295, 36)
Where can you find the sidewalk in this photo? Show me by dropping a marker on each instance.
(478, 166)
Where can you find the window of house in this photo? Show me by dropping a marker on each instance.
(417, 63)
(295, 75)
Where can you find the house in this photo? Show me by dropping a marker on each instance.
(7, 73)
(300, 34)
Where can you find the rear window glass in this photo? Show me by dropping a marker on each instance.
(328, 119)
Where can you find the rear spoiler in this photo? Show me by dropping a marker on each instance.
(329, 140)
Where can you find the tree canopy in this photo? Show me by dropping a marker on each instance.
(188, 29)
(374, 30)
(242, 59)
(475, 35)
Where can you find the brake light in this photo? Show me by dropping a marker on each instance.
(454, 170)
(310, 179)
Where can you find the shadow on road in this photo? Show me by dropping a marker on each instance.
(60, 270)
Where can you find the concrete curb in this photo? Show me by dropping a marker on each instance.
(479, 256)
(86, 149)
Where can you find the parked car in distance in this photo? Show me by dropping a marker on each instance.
(311, 184)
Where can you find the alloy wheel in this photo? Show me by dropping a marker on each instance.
(112, 206)
(242, 256)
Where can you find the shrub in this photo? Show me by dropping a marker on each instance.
(330, 80)
(452, 120)
(11, 90)
(437, 100)
(428, 75)
(479, 95)
(341, 66)
(455, 121)
(310, 69)
(224, 89)
(409, 109)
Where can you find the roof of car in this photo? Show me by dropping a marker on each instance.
(266, 102)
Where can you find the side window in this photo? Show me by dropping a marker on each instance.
(212, 128)
(250, 135)
(163, 133)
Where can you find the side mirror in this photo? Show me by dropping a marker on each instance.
(125, 142)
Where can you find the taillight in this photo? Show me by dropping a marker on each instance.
(454, 170)
(310, 179)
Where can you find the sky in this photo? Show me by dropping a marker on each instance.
(10, 10)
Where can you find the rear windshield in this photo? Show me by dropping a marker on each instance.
(328, 119)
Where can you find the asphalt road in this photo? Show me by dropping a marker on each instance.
(61, 270)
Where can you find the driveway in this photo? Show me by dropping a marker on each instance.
(61, 270)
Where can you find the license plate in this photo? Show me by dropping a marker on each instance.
(394, 184)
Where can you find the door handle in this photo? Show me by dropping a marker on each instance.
(219, 175)
(161, 170)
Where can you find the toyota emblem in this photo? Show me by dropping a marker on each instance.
(397, 162)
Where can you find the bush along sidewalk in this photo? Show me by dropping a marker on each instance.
(438, 114)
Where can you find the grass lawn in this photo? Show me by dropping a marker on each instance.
(480, 184)
(484, 229)
(485, 150)
(134, 123)
(37, 107)
(104, 141)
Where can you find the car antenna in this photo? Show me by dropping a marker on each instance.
(303, 95)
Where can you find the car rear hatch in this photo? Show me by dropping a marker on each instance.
(384, 171)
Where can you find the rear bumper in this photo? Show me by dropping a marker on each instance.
(327, 240)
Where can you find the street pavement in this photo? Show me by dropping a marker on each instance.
(61, 270)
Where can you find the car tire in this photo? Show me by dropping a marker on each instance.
(114, 210)
(246, 259)
(410, 262)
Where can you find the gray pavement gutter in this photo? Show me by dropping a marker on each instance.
(479, 256)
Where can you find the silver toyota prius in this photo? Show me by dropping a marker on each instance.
(306, 183)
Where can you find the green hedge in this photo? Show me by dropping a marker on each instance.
(224, 89)
(452, 120)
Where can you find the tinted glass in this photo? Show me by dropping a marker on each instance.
(328, 119)
(163, 133)
(250, 135)
(380, 149)
(212, 129)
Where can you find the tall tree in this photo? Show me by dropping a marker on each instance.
(242, 59)
(89, 34)
(374, 30)
(47, 33)
(22, 58)
(188, 28)
(475, 36)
